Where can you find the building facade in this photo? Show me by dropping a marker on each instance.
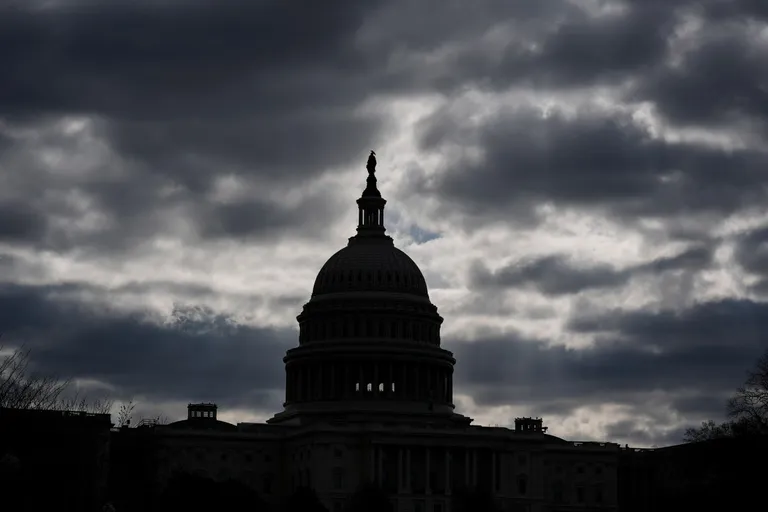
(369, 398)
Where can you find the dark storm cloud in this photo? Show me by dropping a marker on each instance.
(199, 355)
(629, 429)
(142, 60)
(751, 254)
(724, 79)
(20, 223)
(701, 354)
(553, 275)
(556, 275)
(593, 160)
(182, 92)
(583, 50)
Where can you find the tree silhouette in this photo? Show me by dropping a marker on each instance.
(749, 406)
(369, 497)
(22, 389)
(747, 409)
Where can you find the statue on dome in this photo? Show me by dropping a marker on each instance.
(371, 165)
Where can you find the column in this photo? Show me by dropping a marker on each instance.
(404, 371)
(417, 382)
(334, 369)
(376, 380)
(362, 384)
(288, 380)
(391, 392)
(408, 469)
(400, 472)
(474, 467)
(381, 464)
(320, 383)
(448, 471)
(494, 476)
(372, 468)
(300, 388)
(466, 467)
(427, 488)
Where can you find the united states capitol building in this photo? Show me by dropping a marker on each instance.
(369, 398)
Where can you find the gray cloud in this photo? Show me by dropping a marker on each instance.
(20, 223)
(629, 430)
(722, 80)
(180, 95)
(696, 358)
(751, 253)
(594, 161)
(198, 355)
(209, 89)
(556, 275)
(550, 274)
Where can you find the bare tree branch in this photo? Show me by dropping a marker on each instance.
(22, 389)
(747, 409)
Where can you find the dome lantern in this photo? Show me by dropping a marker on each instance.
(371, 205)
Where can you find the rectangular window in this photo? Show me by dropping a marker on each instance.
(418, 505)
(598, 494)
(580, 495)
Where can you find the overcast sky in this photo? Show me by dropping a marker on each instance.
(584, 184)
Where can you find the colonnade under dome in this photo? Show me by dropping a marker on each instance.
(379, 380)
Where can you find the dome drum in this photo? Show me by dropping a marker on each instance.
(378, 379)
(384, 327)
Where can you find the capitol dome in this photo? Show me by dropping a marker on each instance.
(369, 337)
(370, 265)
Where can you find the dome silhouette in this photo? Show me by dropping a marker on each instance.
(370, 265)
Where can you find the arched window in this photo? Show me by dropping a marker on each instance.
(381, 387)
(370, 387)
